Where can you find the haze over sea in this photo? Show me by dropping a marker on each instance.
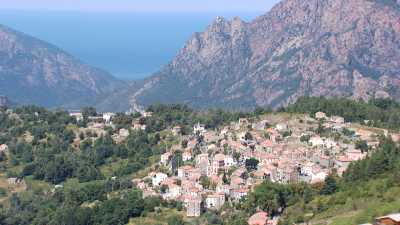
(128, 45)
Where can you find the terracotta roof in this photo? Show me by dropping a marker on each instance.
(395, 217)
(259, 218)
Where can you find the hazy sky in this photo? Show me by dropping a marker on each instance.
(141, 5)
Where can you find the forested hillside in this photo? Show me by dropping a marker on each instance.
(74, 175)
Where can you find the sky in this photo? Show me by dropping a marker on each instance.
(141, 5)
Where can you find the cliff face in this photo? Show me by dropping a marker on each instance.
(301, 47)
(35, 72)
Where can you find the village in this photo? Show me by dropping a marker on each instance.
(211, 168)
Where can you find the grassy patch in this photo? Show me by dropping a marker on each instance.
(156, 218)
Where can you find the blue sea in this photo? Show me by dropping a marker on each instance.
(128, 45)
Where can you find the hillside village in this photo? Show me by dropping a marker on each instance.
(211, 168)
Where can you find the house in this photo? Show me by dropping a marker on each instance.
(147, 114)
(215, 201)
(337, 119)
(391, 219)
(3, 148)
(78, 116)
(239, 193)
(137, 125)
(286, 174)
(174, 192)
(262, 125)
(188, 172)
(177, 130)
(320, 115)
(282, 127)
(199, 129)
(14, 180)
(259, 218)
(202, 163)
(165, 158)
(329, 143)
(186, 156)
(193, 207)
(158, 178)
(223, 188)
(316, 141)
(124, 133)
(229, 161)
(107, 117)
(355, 154)
(218, 164)
(343, 161)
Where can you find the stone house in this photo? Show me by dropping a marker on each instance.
(238, 194)
(193, 206)
(215, 201)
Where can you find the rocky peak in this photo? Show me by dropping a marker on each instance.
(301, 47)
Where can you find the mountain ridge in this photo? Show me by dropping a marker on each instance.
(299, 48)
(35, 72)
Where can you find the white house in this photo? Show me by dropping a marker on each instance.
(215, 201)
(158, 178)
(316, 141)
(281, 127)
(78, 116)
(186, 156)
(199, 129)
(107, 117)
(229, 161)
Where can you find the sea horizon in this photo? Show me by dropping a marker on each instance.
(129, 45)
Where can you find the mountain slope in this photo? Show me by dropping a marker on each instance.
(35, 72)
(345, 48)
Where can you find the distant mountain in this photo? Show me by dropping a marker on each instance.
(345, 48)
(35, 72)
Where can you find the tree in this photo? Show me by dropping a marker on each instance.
(248, 136)
(205, 182)
(330, 186)
(225, 179)
(184, 143)
(305, 138)
(362, 145)
(88, 111)
(175, 220)
(251, 164)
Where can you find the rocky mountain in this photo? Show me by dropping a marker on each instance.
(35, 72)
(301, 47)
